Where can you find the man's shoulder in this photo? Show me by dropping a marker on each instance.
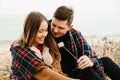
(75, 31)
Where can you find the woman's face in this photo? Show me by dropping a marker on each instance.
(42, 33)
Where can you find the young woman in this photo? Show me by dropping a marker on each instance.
(35, 55)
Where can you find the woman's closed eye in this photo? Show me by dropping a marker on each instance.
(42, 31)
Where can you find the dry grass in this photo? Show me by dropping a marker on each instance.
(106, 46)
(103, 46)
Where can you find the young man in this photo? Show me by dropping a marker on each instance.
(85, 65)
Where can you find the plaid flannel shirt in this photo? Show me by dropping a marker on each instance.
(81, 47)
(24, 63)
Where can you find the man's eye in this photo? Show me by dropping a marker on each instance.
(61, 28)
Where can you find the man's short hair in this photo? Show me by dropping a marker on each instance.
(64, 13)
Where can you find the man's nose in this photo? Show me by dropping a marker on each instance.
(55, 29)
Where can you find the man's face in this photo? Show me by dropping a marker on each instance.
(59, 27)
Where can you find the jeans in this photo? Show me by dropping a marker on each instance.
(86, 74)
(111, 68)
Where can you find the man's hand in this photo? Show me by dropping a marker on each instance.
(84, 62)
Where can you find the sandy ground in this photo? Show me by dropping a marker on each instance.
(103, 46)
(5, 59)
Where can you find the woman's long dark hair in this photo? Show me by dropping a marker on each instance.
(31, 27)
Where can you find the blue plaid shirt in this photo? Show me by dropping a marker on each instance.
(81, 47)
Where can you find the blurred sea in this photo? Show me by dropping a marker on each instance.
(11, 26)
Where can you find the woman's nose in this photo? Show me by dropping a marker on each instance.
(44, 34)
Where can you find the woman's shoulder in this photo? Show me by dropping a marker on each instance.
(16, 46)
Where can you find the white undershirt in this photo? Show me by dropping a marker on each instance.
(47, 55)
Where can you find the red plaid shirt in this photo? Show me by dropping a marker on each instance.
(24, 63)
